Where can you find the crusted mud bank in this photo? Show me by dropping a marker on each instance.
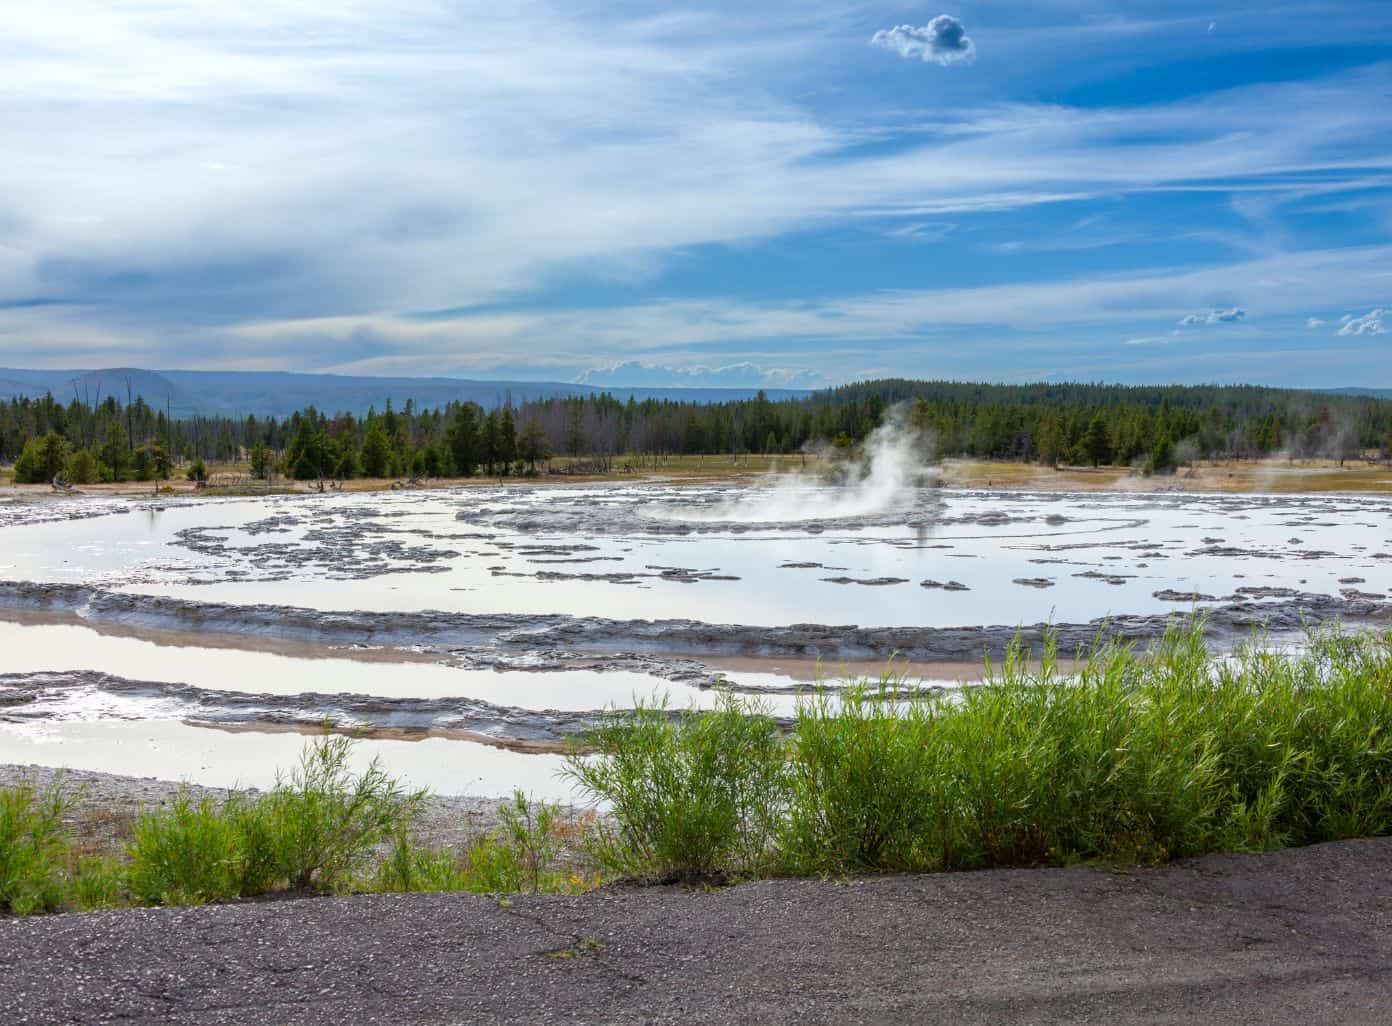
(558, 641)
(70, 695)
(44, 509)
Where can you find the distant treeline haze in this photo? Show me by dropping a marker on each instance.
(1093, 425)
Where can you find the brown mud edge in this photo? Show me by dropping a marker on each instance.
(368, 731)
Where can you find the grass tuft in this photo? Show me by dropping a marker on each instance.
(525, 853)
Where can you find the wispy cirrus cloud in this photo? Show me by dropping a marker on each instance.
(636, 374)
(292, 185)
(904, 331)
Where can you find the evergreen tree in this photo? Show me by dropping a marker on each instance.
(533, 445)
(507, 440)
(463, 439)
(376, 450)
(1097, 443)
(307, 459)
(260, 462)
(1162, 456)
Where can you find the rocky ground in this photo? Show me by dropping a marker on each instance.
(1294, 937)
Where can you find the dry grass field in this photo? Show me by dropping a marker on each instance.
(1271, 475)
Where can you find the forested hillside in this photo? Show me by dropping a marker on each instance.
(1072, 423)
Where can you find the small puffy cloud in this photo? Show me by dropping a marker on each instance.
(1374, 322)
(1230, 316)
(943, 40)
(1315, 322)
(634, 374)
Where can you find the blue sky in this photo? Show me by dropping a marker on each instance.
(722, 193)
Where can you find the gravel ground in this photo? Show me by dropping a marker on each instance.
(1295, 937)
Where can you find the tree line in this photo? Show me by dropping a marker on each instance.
(1155, 427)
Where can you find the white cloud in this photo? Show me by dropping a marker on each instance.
(1374, 322)
(269, 183)
(1229, 316)
(943, 40)
(1315, 322)
(636, 374)
(905, 331)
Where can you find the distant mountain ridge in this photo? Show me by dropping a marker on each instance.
(1372, 393)
(278, 393)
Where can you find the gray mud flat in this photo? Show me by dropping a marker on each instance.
(27, 696)
(535, 634)
(1295, 937)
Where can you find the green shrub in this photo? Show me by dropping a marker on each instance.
(188, 854)
(34, 850)
(82, 467)
(1132, 757)
(862, 781)
(696, 795)
(321, 826)
(41, 459)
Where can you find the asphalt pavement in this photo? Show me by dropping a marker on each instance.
(1300, 936)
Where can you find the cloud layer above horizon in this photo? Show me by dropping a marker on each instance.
(700, 195)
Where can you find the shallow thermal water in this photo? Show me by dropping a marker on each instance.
(169, 749)
(788, 554)
(29, 648)
(656, 553)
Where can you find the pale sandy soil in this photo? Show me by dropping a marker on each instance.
(1271, 475)
(1275, 475)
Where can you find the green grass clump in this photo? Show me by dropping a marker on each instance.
(523, 854)
(322, 829)
(314, 832)
(1134, 757)
(34, 850)
(97, 881)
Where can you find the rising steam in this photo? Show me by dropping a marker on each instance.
(882, 476)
